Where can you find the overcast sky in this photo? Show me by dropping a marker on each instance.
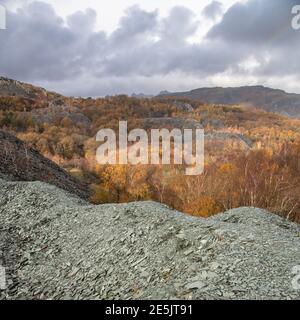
(95, 48)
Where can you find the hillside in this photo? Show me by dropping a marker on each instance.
(251, 155)
(58, 247)
(20, 162)
(10, 87)
(271, 100)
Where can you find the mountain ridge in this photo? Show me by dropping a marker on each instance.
(260, 96)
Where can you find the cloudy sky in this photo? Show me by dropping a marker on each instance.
(95, 47)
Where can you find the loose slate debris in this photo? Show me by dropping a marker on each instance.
(21, 163)
(57, 246)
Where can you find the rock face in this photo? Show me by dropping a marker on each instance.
(20, 162)
(56, 246)
(10, 87)
(183, 106)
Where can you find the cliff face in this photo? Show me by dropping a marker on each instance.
(19, 162)
(55, 246)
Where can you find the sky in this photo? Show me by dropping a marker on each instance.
(97, 48)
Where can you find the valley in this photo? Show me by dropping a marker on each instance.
(251, 155)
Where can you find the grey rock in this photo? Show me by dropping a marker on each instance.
(57, 246)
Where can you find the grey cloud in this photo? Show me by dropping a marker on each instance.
(143, 44)
(135, 22)
(179, 25)
(257, 22)
(264, 26)
(39, 46)
(213, 10)
(82, 22)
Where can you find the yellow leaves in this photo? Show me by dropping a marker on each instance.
(204, 207)
(126, 183)
(114, 176)
(227, 168)
(140, 192)
(99, 195)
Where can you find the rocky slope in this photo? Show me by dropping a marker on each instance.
(20, 162)
(56, 246)
(271, 100)
(10, 87)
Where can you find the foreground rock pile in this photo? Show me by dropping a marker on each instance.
(56, 246)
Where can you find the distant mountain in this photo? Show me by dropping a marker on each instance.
(142, 96)
(272, 100)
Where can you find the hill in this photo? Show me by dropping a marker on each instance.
(140, 250)
(271, 100)
(251, 155)
(10, 87)
(20, 162)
